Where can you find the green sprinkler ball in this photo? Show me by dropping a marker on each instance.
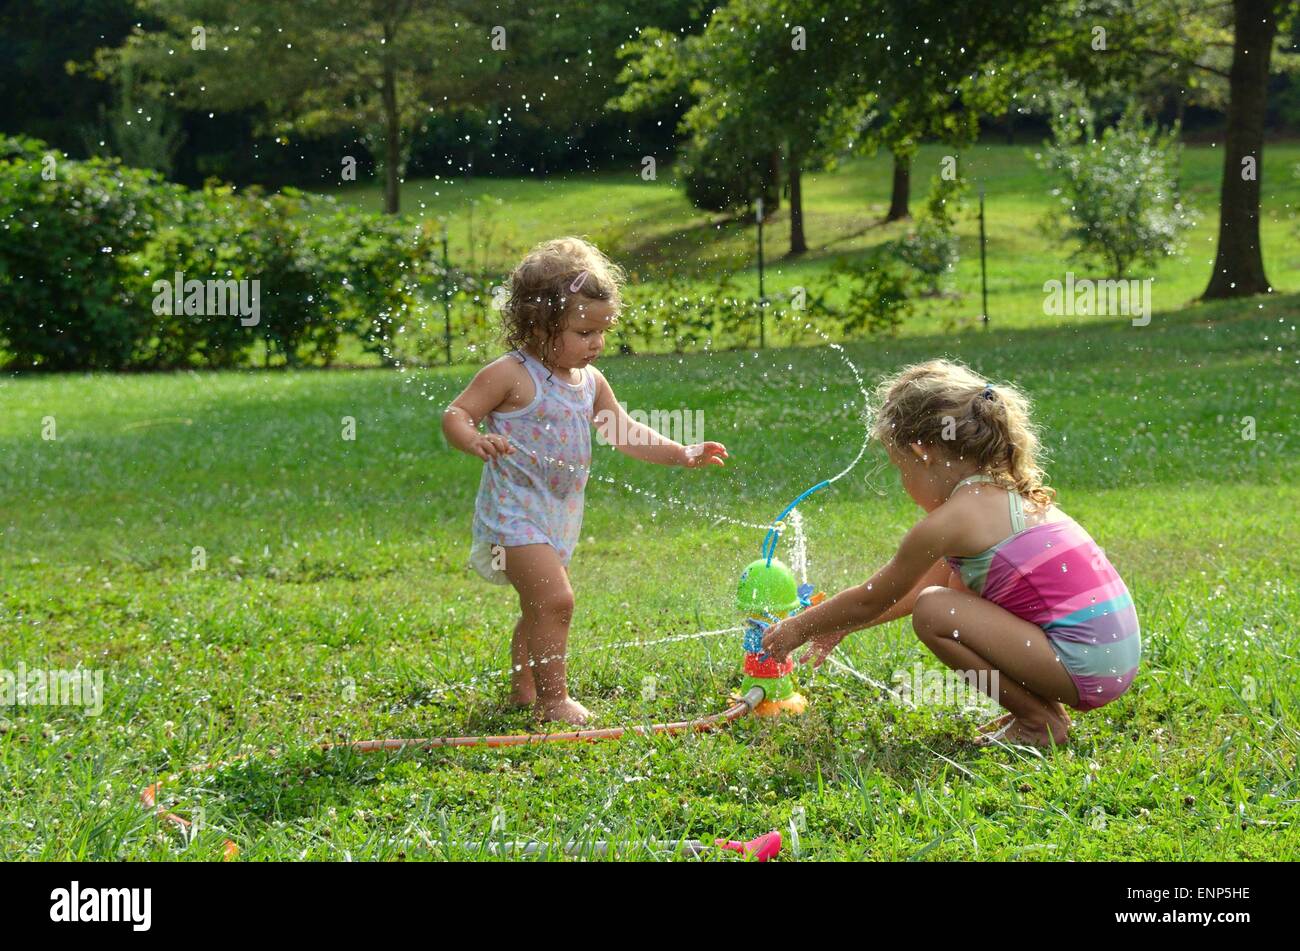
(767, 589)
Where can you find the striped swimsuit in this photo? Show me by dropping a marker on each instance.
(1053, 575)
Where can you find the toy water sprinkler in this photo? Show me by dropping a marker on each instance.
(769, 592)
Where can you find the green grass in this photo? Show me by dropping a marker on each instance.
(651, 228)
(336, 604)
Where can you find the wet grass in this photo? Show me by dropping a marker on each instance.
(331, 601)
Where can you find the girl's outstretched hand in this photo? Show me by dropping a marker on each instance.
(819, 649)
(489, 446)
(705, 454)
(778, 642)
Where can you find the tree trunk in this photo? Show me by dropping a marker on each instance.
(898, 201)
(797, 243)
(392, 143)
(1239, 264)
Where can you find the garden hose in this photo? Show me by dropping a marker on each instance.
(743, 706)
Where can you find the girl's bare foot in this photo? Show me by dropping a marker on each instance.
(1065, 716)
(523, 691)
(567, 710)
(1053, 732)
(1048, 733)
(994, 725)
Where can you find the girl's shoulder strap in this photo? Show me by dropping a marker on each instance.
(1016, 504)
(971, 479)
(536, 369)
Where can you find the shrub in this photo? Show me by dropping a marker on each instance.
(1118, 195)
(930, 249)
(66, 229)
(879, 293)
(83, 246)
(724, 175)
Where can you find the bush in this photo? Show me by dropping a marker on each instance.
(66, 230)
(879, 293)
(672, 312)
(931, 247)
(931, 250)
(201, 242)
(390, 276)
(81, 253)
(1118, 196)
(723, 175)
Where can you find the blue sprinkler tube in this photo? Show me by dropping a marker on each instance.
(774, 534)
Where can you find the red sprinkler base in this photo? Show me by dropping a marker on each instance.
(760, 849)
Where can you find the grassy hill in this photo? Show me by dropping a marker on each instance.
(651, 228)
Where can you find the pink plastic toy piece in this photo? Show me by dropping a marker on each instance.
(760, 849)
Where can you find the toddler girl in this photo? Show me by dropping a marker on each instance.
(995, 576)
(538, 403)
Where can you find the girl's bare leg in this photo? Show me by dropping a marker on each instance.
(546, 606)
(523, 691)
(1031, 683)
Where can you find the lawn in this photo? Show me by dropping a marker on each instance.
(331, 601)
(652, 229)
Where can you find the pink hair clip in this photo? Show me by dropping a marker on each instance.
(577, 283)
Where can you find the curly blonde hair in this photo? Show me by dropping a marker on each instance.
(543, 284)
(945, 404)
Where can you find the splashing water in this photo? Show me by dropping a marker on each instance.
(799, 552)
(866, 403)
(486, 678)
(799, 546)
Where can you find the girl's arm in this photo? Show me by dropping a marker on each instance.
(460, 420)
(940, 574)
(640, 441)
(877, 600)
(821, 646)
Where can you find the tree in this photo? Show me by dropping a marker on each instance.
(758, 73)
(1117, 192)
(140, 130)
(929, 69)
(1132, 48)
(1239, 262)
(38, 95)
(378, 67)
